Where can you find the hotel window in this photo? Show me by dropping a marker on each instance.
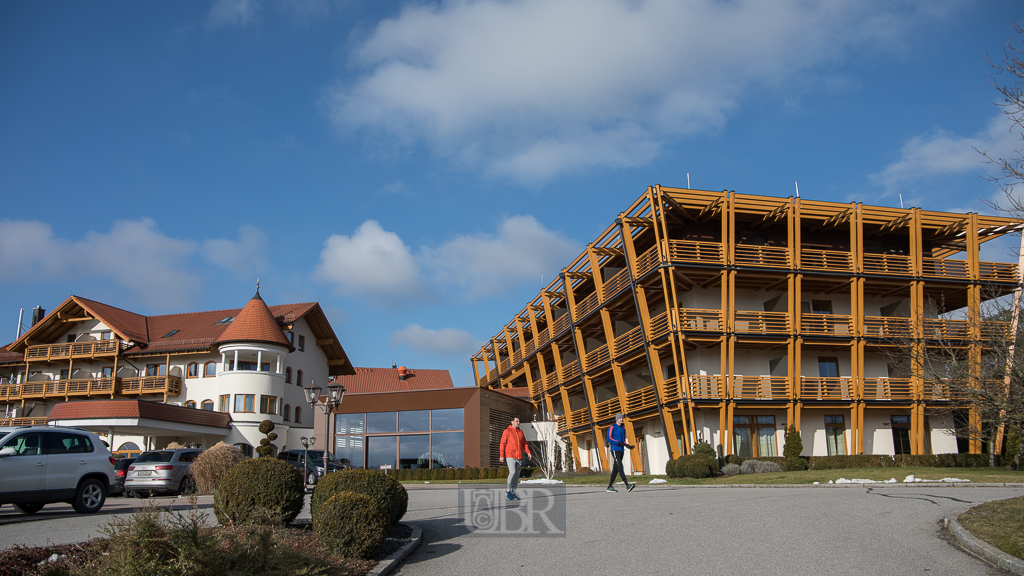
(190, 404)
(245, 402)
(225, 403)
(754, 436)
(107, 372)
(290, 336)
(156, 369)
(288, 375)
(298, 415)
(65, 374)
(106, 335)
(71, 338)
(900, 434)
(302, 343)
(835, 439)
(298, 378)
(210, 369)
(208, 405)
(245, 448)
(287, 412)
(821, 306)
(268, 404)
(192, 371)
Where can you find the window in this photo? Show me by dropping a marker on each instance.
(414, 451)
(298, 378)
(414, 421)
(245, 365)
(268, 404)
(245, 448)
(245, 402)
(210, 369)
(288, 375)
(106, 335)
(754, 436)
(900, 434)
(171, 333)
(71, 338)
(302, 343)
(225, 320)
(225, 403)
(821, 306)
(828, 367)
(290, 336)
(377, 422)
(67, 443)
(447, 419)
(287, 412)
(835, 440)
(28, 444)
(156, 369)
(298, 415)
(208, 405)
(107, 371)
(65, 374)
(190, 404)
(381, 452)
(192, 371)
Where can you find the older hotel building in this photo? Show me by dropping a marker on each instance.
(727, 316)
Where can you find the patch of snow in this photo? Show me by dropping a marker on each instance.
(542, 481)
(864, 481)
(912, 478)
(658, 481)
(816, 482)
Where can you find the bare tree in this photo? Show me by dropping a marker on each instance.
(548, 447)
(1009, 81)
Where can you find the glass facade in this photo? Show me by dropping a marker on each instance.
(408, 439)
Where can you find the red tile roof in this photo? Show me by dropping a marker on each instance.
(255, 323)
(518, 392)
(371, 380)
(84, 410)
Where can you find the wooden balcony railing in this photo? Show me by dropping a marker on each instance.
(697, 320)
(671, 391)
(626, 343)
(995, 330)
(887, 389)
(551, 382)
(579, 418)
(151, 385)
(561, 324)
(505, 365)
(543, 337)
(536, 388)
(660, 325)
(827, 260)
(886, 327)
(615, 284)
(641, 399)
(891, 264)
(92, 349)
(698, 252)
(597, 357)
(935, 390)
(762, 256)
(570, 371)
(942, 268)
(105, 387)
(945, 329)
(563, 424)
(998, 271)
(762, 322)
(760, 387)
(529, 348)
(517, 357)
(91, 386)
(606, 409)
(588, 305)
(703, 387)
(23, 421)
(817, 388)
(647, 261)
(826, 324)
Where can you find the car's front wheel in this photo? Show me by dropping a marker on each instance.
(29, 508)
(90, 496)
(311, 478)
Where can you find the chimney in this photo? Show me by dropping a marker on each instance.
(37, 315)
(402, 373)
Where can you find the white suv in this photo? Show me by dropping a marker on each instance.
(44, 464)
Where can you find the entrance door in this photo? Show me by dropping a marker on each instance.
(641, 446)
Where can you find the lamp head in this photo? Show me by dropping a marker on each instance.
(312, 394)
(335, 392)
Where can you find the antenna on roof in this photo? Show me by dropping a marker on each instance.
(797, 184)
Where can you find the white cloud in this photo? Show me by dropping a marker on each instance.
(533, 88)
(450, 342)
(942, 153)
(134, 256)
(239, 13)
(372, 263)
(244, 256)
(485, 264)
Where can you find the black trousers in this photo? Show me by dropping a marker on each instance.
(617, 468)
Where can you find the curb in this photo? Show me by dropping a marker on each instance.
(984, 550)
(389, 564)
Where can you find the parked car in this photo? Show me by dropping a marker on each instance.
(120, 472)
(44, 464)
(162, 472)
(315, 470)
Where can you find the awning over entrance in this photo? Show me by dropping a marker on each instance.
(139, 418)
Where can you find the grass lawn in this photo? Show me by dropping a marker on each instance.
(999, 523)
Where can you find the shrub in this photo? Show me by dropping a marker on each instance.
(266, 447)
(794, 444)
(704, 449)
(731, 469)
(676, 468)
(795, 464)
(734, 459)
(759, 467)
(698, 467)
(389, 494)
(258, 490)
(212, 464)
(351, 524)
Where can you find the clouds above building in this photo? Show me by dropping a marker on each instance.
(446, 342)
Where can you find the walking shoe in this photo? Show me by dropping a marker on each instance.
(515, 496)
(610, 489)
(508, 495)
(630, 487)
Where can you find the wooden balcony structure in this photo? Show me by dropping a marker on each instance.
(677, 270)
(91, 388)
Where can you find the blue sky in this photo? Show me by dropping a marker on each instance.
(423, 169)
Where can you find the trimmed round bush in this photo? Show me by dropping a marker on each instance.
(350, 524)
(390, 495)
(212, 464)
(259, 490)
(795, 464)
(698, 467)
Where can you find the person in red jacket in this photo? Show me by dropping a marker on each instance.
(513, 444)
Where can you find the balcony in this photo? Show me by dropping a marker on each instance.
(607, 409)
(762, 322)
(561, 324)
(23, 421)
(886, 327)
(570, 371)
(151, 385)
(660, 325)
(563, 424)
(826, 325)
(817, 388)
(587, 305)
(942, 268)
(760, 387)
(615, 284)
(697, 320)
(695, 252)
(761, 256)
(671, 391)
(887, 389)
(536, 388)
(647, 262)
(641, 399)
(598, 357)
(888, 264)
(92, 349)
(998, 272)
(706, 387)
(945, 329)
(826, 260)
(626, 343)
(579, 418)
(551, 382)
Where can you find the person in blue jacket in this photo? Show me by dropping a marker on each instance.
(616, 443)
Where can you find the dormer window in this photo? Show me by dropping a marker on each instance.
(171, 333)
(225, 320)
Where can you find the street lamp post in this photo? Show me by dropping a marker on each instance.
(335, 394)
(306, 442)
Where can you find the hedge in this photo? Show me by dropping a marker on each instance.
(874, 461)
(470, 473)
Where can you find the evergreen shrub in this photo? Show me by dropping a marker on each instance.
(389, 494)
(699, 467)
(350, 524)
(259, 490)
(794, 443)
(795, 464)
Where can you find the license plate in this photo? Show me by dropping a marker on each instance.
(145, 473)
